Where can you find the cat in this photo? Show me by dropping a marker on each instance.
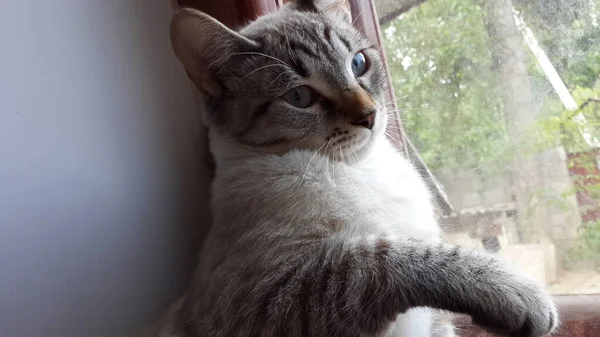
(320, 226)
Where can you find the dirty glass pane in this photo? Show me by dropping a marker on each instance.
(502, 100)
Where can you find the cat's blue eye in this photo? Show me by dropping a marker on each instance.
(300, 97)
(359, 64)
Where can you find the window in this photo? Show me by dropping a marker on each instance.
(502, 100)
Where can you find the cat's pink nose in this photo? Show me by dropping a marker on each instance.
(366, 121)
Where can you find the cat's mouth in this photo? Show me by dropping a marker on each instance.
(352, 143)
(345, 145)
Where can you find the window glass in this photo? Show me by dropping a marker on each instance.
(502, 101)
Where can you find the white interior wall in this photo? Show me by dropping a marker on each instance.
(98, 195)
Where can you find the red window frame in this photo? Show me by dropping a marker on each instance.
(580, 314)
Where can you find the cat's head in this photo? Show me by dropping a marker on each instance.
(300, 78)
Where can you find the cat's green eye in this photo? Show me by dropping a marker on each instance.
(300, 97)
(359, 64)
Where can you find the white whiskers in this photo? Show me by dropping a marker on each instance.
(263, 67)
(308, 165)
(264, 55)
(276, 78)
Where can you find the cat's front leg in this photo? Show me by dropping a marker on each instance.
(495, 296)
(391, 276)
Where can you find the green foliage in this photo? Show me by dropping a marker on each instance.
(441, 64)
(449, 92)
(570, 34)
(587, 248)
(450, 97)
(562, 127)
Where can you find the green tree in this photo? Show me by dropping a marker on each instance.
(446, 85)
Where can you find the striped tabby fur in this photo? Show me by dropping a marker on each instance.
(320, 227)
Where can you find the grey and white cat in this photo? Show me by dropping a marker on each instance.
(321, 228)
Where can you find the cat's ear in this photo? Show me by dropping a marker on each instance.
(339, 8)
(203, 45)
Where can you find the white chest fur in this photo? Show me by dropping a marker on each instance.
(298, 194)
(381, 194)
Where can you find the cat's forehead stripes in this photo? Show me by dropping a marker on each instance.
(305, 38)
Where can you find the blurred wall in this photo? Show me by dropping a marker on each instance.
(100, 188)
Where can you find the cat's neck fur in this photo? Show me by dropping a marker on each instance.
(227, 152)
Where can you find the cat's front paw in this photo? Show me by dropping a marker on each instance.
(521, 309)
